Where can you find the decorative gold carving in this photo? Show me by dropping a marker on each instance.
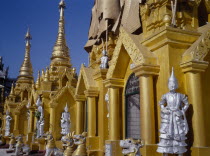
(138, 53)
(202, 48)
(199, 50)
(207, 3)
(131, 48)
(115, 57)
(60, 93)
(100, 74)
(85, 80)
(21, 105)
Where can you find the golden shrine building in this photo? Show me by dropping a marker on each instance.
(143, 40)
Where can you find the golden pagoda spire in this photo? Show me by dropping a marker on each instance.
(47, 75)
(38, 80)
(26, 70)
(60, 54)
(12, 92)
(43, 74)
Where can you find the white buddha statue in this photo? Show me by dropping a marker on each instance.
(7, 124)
(65, 121)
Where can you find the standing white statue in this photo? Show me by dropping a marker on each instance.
(28, 118)
(107, 103)
(7, 124)
(174, 125)
(40, 116)
(104, 60)
(107, 146)
(173, 8)
(65, 121)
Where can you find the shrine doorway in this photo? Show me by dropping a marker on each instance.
(23, 121)
(132, 107)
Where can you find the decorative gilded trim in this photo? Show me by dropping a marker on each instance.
(199, 50)
(117, 83)
(91, 93)
(138, 53)
(146, 69)
(194, 66)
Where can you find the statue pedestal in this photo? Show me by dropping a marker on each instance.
(200, 151)
(114, 147)
(35, 146)
(16, 132)
(7, 139)
(93, 146)
(150, 149)
(29, 138)
(41, 142)
(59, 144)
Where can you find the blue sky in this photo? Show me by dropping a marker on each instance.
(42, 18)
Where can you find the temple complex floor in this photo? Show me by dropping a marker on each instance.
(3, 152)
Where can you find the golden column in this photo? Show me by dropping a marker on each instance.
(80, 110)
(52, 119)
(35, 121)
(91, 100)
(4, 123)
(99, 76)
(147, 115)
(114, 86)
(192, 71)
(115, 125)
(16, 123)
(31, 128)
(31, 125)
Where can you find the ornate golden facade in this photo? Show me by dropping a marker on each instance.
(150, 55)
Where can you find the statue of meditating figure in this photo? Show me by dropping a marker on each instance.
(65, 121)
(7, 124)
(174, 125)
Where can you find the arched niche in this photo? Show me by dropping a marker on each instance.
(65, 97)
(132, 108)
(64, 81)
(23, 121)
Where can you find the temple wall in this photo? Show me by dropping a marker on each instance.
(206, 96)
(23, 122)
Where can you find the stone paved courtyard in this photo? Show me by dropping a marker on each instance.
(3, 153)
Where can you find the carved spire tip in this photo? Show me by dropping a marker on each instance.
(28, 36)
(62, 4)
